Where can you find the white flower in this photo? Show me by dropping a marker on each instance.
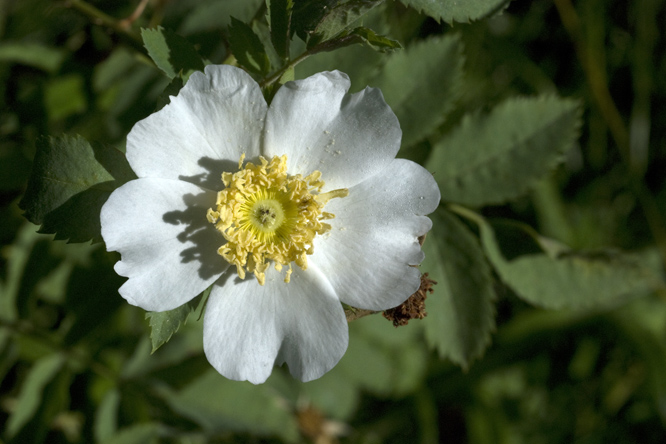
(182, 224)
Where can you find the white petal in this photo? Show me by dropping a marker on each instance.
(203, 131)
(320, 127)
(168, 247)
(369, 252)
(248, 327)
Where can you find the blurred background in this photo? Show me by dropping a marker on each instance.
(75, 362)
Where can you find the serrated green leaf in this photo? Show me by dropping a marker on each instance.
(247, 48)
(422, 84)
(341, 16)
(30, 396)
(171, 52)
(491, 159)
(456, 10)
(567, 279)
(218, 404)
(361, 35)
(279, 19)
(461, 313)
(32, 54)
(70, 181)
(164, 324)
(308, 14)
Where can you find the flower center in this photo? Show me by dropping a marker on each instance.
(267, 215)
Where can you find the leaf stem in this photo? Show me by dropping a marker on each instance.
(289, 65)
(611, 115)
(101, 18)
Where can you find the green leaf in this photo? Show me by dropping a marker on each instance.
(70, 181)
(340, 17)
(32, 54)
(360, 35)
(64, 96)
(170, 52)
(308, 14)
(384, 359)
(215, 15)
(106, 416)
(146, 433)
(456, 10)
(557, 278)
(247, 48)
(218, 404)
(165, 323)
(491, 159)
(279, 19)
(422, 84)
(172, 89)
(30, 396)
(461, 309)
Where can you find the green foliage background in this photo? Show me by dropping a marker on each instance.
(544, 124)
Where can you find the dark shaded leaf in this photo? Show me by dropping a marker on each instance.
(279, 20)
(70, 181)
(247, 48)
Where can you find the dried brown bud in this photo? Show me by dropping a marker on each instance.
(414, 306)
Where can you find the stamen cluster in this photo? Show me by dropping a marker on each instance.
(267, 215)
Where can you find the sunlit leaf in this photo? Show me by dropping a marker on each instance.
(568, 279)
(70, 181)
(493, 158)
(461, 313)
(422, 84)
(457, 10)
(171, 52)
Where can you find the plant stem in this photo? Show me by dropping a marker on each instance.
(277, 74)
(101, 18)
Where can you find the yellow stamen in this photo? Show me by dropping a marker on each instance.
(267, 215)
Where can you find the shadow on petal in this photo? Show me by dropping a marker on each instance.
(212, 178)
(202, 238)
